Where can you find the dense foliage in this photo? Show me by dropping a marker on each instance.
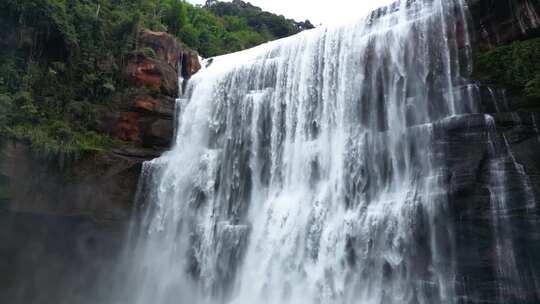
(242, 16)
(60, 69)
(61, 60)
(516, 67)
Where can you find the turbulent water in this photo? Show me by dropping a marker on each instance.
(305, 170)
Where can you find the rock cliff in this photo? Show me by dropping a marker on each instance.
(502, 141)
(497, 22)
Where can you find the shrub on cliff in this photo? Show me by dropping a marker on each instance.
(515, 66)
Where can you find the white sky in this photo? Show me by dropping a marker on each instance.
(318, 11)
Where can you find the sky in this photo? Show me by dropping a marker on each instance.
(317, 11)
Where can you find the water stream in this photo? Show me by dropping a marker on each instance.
(304, 170)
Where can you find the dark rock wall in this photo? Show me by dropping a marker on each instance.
(497, 226)
(99, 187)
(498, 22)
(470, 158)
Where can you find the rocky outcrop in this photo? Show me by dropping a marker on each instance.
(147, 122)
(148, 119)
(190, 64)
(144, 71)
(164, 45)
(167, 50)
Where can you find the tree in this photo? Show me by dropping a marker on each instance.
(175, 16)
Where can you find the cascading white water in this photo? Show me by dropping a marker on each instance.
(304, 170)
(512, 281)
(507, 271)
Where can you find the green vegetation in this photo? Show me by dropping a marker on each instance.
(516, 67)
(249, 25)
(62, 60)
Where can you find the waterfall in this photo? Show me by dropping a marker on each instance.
(305, 170)
(506, 267)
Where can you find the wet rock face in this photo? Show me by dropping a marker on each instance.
(490, 234)
(498, 22)
(494, 174)
(190, 64)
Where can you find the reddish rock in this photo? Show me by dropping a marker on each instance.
(161, 72)
(190, 64)
(165, 45)
(153, 73)
(127, 127)
(143, 129)
(147, 103)
(121, 125)
(161, 106)
(145, 73)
